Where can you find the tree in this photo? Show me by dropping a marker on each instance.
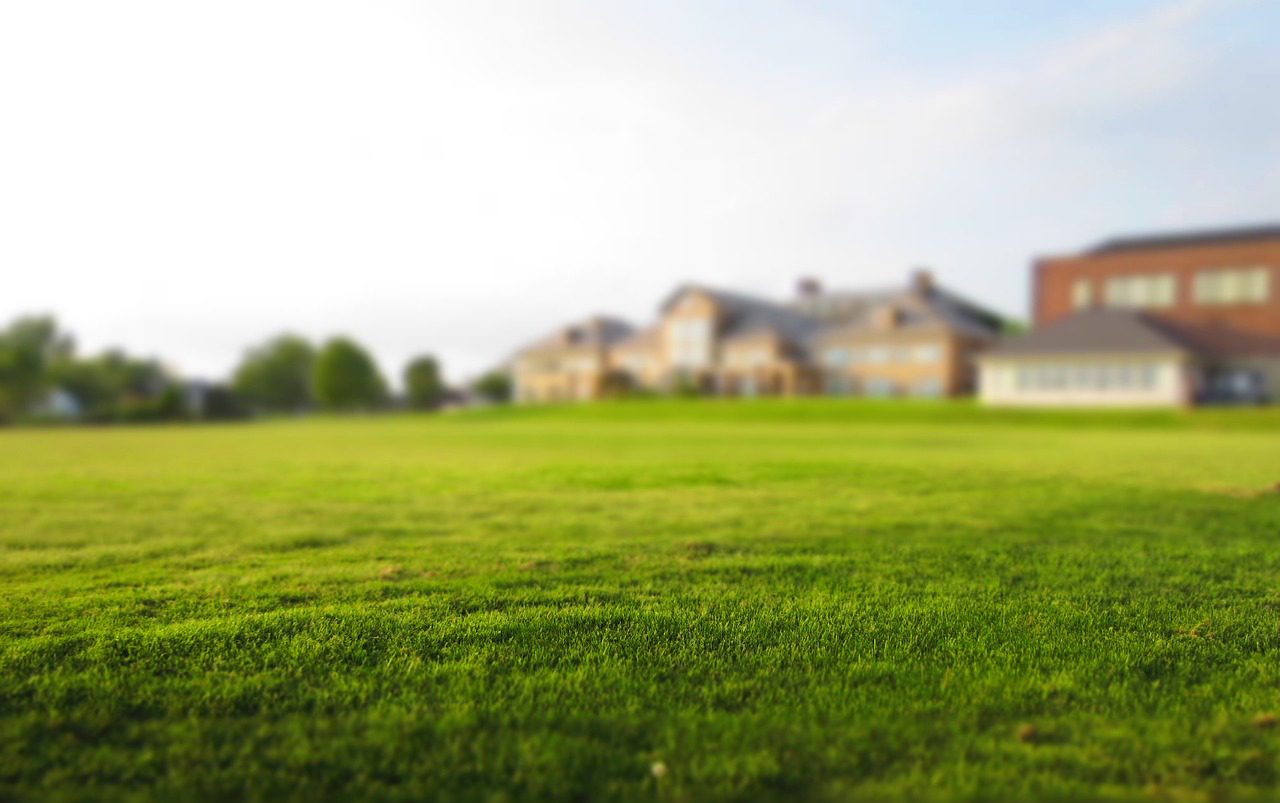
(29, 348)
(346, 377)
(116, 386)
(276, 376)
(494, 387)
(422, 383)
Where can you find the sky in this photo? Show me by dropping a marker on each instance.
(186, 180)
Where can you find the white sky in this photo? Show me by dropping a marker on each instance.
(186, 179)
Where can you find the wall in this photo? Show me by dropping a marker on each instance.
(951, 371)
(1175, 378)
(1053, 279)
(759, 366)
(692, 306)
(646, 355)
(566, 374)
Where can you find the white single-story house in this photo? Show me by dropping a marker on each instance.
(1096, 358)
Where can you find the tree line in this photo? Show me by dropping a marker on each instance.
(42, 377)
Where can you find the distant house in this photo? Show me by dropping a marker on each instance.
(1168, 320)
(60, 405)
(569, 364)
(916, 340)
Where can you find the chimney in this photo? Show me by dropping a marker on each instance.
(808, 288)
(922, 283)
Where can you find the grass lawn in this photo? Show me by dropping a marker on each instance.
(818, 599)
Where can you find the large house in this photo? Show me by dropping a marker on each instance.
(1141, 321)
(917, 340)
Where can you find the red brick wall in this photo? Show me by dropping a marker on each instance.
(1053, 278)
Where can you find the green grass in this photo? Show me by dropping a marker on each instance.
(774, 600)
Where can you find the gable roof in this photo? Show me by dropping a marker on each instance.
(1186, 239)
(600, 330)
(748, 315)
(936, 306)
(1098, 331)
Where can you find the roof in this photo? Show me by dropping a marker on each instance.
(747, 315)
(648, 337)
(800, 322)
(932, 306)
(600, 330)
(1098, 331)
(1187, 239)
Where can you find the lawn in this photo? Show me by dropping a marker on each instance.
(648, 601)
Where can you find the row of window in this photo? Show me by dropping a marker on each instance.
(838, 385)
(1088, 376)
(553, 365)
(1219, 286)
(755, 358)
(880, 355)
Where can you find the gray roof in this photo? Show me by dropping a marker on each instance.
(1186, 239)
(748, 315)
(600, 330)
(804, 321)
(933, 307)
(1098, 331)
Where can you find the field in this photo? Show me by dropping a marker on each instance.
(648, 601)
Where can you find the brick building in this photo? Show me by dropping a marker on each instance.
(1213, 299)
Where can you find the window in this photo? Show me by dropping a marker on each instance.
(929, 353)
(930, 388)
(1026, 378)
(1081, 376)
(1156, 290)
(1081, 294)
(838, 385)
(1087, 376)
(837, 357)
(1233, 286)
(1147, 376)
(880, 388)
(878, 354)
(692, 343)
(635, 363)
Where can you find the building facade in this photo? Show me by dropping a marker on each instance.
(571, 364)
(1208, 302)
(918, 340)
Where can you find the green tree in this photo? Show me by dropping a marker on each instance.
(114, 385)
(423, 385)
(346, 377)
(277, 376)
(494, 387)
(29, 349)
